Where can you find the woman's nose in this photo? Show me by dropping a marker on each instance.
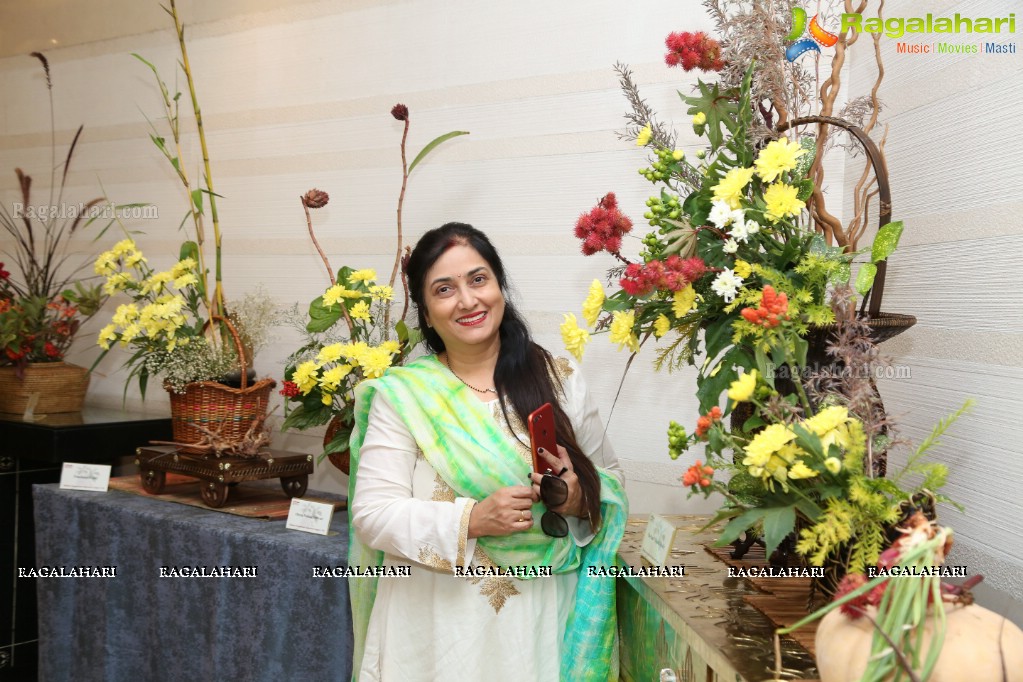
(466, 297)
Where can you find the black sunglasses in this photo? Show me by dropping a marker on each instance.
(553, 492)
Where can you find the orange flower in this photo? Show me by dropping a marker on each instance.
(704, 423)
(772, 310)
(698, 474)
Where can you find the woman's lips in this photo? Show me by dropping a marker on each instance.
(472, 320)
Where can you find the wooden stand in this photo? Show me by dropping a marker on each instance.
(217, 474)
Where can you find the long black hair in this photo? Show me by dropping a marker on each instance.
(525, 376)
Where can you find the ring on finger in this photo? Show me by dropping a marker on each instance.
(522, 516)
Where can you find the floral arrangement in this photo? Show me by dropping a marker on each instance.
(320, 377)
(733, 269)
(803, 458)
(178, 324)
(42, 310)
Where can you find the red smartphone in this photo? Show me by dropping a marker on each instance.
(542, 434)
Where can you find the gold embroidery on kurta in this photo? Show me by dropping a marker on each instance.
(463, 532)
(496, 588)
(428, 556)
(442, 492)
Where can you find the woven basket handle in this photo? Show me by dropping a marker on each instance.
(883, 188)
(237, 345)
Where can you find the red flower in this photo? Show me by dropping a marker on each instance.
(3, 273)
(51, 350)
(704, 423)
(674, 274)
(602, 228)
(693, 51)
(289, 389)
(13, 355)
(400, 112)
(772, 310)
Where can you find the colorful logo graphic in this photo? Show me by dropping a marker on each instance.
(818, 36)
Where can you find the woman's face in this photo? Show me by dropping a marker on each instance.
(464, 302)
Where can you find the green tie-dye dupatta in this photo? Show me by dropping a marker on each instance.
(465, 445)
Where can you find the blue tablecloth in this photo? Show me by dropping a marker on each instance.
(283, 624)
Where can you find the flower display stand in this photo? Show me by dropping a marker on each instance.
(216, 475)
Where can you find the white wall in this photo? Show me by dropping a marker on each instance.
(956, 180)
(298, 97)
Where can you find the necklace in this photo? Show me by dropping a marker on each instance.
(467, 385)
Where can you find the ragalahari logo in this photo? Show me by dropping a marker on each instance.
(817, 39)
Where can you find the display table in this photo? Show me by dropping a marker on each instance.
(31, 453)
(280, 624)
(699, 625)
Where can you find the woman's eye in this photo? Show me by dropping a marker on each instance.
(443, 291)
(479, 279)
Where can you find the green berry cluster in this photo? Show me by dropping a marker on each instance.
(667, 163)
(678, 441)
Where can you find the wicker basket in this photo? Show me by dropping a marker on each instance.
(61, 387)
(225, 410)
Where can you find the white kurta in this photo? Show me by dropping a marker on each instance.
(434, 625)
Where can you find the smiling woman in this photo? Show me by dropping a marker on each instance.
(441, 480)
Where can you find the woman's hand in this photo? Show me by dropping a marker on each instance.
(573, 505)
(503, 512)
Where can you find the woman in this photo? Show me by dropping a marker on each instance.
(441, 482)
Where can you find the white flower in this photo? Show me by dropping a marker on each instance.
(726, 284)
(752, 226)
(740, 231)
(730, 246)
(721, 213)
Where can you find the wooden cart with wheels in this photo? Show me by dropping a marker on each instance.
(218, 474)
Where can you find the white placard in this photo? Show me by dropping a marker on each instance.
(658, 538)
(85, 477)
(311, 517)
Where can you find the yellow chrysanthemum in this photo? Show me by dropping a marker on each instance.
(134, 258)
(742, 269)
(621, 330)
(328, 354)
(766, 443)
(335, 293)
(155, 283)
(730, 187)
(391, 347)
(130, 332)
(359, 311)
(367, 275)
(644, 137)
(305, 376)
(374, 361)
(683, 301)
(107, 335)
(782, 201)
(827, 419)
(743, 387)
(118, 281)
(381, 292)
(123, 247)
(593, 303)
(327, 398)
(776, 158)
(333, 377)
(574, 337)
(125, 314)
(678, 155)
(662, 325)
(106, 263)
(187, 279)
(182, 266)
(699, 118)
(833, 464)
(353, 351)
(800, 470)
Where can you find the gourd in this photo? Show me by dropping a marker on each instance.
(979, 646)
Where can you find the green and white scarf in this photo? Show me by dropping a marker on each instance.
(467, 448)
